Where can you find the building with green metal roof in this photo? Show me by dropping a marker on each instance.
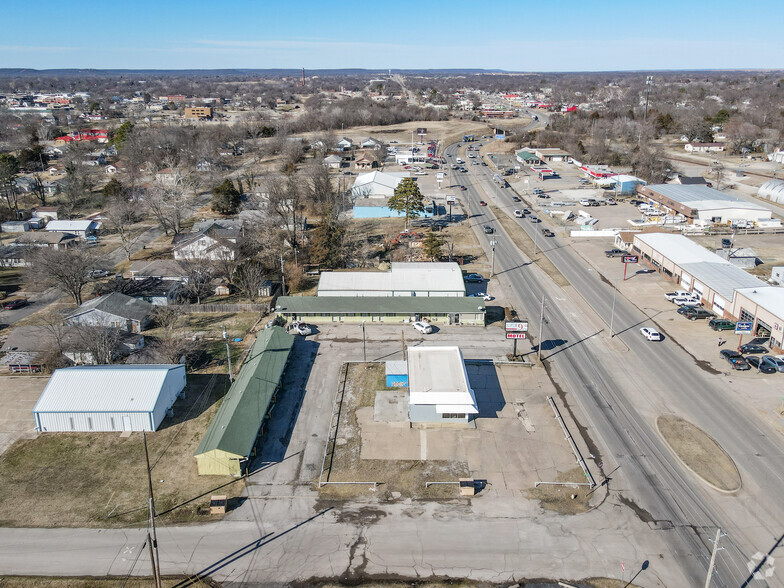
(526, 157)
(231, 438)
(453, 310)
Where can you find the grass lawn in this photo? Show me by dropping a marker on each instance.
(99, 479)
(11, 279)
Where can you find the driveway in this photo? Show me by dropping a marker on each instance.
(18, 395)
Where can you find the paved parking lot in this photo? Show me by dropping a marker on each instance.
(18, 395)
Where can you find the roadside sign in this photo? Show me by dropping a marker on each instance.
(630, 259)
(440, 175)
(743, 328)
(515, 335)
(517, 326)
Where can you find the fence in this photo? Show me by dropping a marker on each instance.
(191, 308)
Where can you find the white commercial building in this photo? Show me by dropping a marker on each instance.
(376, 184)
(439, 391)
(704, 206)
(108, 397)
(404, 279)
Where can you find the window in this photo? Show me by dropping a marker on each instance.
(453, 415)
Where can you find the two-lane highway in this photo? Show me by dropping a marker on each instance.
(675, 501)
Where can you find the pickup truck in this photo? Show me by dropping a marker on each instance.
(677, 294)
(614, 253)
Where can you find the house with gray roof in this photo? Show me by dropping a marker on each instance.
(113, 310)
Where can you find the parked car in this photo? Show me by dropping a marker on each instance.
(422, 327)
(677, 294)
(692, 313)
(14, 304)
(718, 324)
(489, 230)
(687, 301)
(760, 365)
(483, 295)
(482, 203)
(614, 252)
(477, 278)
(735, 359)
(300, 328)
(98, 273)
(726, 243)
(752, 348)
(519, 213)
(651, 334)
(542, 195)
(538, 191)
(774, 362)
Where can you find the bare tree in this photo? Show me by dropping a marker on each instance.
(198, 277)
(249, 278)
(121, 217)
(285, 200)
(168, 205)
(65, 269)
(100, 341)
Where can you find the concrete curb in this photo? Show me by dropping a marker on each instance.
(678, 457)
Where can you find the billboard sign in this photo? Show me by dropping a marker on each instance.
(421, 131)
(630, 259)
(516, 326)
(512, 335)
(743, 328)
(439, 175)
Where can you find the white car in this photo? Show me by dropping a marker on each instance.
(301, 328)
(486, 297)
(518, 213)
(686, 301)
(651, 334)
(422, 327)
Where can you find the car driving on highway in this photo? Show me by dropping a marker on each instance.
(651, 334)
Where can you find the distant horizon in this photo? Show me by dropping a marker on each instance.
(572, 36)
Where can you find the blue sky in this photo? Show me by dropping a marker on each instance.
(559, 35)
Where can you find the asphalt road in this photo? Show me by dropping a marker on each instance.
(671, 498)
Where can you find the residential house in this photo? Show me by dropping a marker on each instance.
(82, 228)
(366, 161)
(214, 243)
(52, 152)
(49, 212)
(203, 166)
(17, 226)
(11, 256)
(51, 239)
(113, 310)
(370, 143)
(162, 269)
(345, 144)
(27, 349)
(704, 147)
(156, 291)
(333, 162)
(167, 177)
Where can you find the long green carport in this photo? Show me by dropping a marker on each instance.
(231, 437)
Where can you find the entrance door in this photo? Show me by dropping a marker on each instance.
(126, 423)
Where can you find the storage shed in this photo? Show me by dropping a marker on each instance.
(108, 397)
(230, 440)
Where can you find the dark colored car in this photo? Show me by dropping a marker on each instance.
(515, 199)
(614, 253)
(726, 243)
(542, 195)
(759, 365)
(752, 348)
(482, 203)
(548, 233)
(692, 313)
(474, 278)
(489, 230)
(735, 359)
(718, 324)
(526, 211)
(14, 304)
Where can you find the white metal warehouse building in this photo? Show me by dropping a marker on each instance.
(108, 398)
(404, 279)
(439, 390)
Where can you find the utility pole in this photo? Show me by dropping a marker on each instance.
(713, 558)
(648, 84)
(228, 352)
(493, 243)
(152, 541)
(283, 277)
(364, 346)
(612, 314)
(541, 324)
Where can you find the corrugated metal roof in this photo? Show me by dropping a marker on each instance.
(677, 248)
(69, 226)
(379, 304)
(701, 197)
(723, 278)
(771, 298)
(104, 388)
(242, 412)
(403, 276)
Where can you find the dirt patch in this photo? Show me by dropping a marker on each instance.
(700, 452)
(523, 242)
(563, 499)
(404, 478)
(467, 250)
(99, 479)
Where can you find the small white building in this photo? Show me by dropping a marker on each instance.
(439, 391)
(108, 398)
(704, 147)
(415, 278)
(376, 184)
(80, 228)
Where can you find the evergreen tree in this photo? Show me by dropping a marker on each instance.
(225, 199)
(407, 199)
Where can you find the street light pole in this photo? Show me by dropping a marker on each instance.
(492, 257)
(228, 352)
(612, 314)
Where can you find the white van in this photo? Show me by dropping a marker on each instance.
(458, 160)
